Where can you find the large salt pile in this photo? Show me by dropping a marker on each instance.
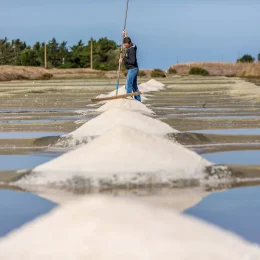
(127, 103)
(99, 228)
(151, 85)
(118, 117)
(122, 157)
(121, 91)
(130, 103)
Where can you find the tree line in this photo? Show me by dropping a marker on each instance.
(248, 59)
(60, 55)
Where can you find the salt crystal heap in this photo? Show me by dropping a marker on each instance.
(149, 86)
(122, 157)
(127, 103)
(99, 228)
(113, 118)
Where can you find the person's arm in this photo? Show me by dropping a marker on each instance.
(131, 59)
(124, 35)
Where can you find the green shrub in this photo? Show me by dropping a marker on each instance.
(157, 73)
(141, 73)
(172, 71)
(198, 71)
(246, 59)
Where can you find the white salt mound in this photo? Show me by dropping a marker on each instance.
(127, 103)
(151, 85)
(100, 228)
(122, 156)
(155, 83)
(120, 117)
(101, 96)
(121, 91)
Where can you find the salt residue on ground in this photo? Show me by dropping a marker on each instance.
(100, 228)
(245, 90)
(119, 117)
(126, 103)
(121, 157)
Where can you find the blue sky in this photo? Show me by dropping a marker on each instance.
(164, 30)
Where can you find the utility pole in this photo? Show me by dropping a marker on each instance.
(14, 48)
(45, 55)
(91, 53)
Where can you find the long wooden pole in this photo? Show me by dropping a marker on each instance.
(45, 55)
(121, 51)
(91, 53)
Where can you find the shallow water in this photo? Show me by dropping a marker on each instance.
(18, 208)
(196, 108)
(237, 210)
(37, 121)
(245, 157)
(227, 117)
(20, 135)
(42, 110)
(239, 131)
(28, 161)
